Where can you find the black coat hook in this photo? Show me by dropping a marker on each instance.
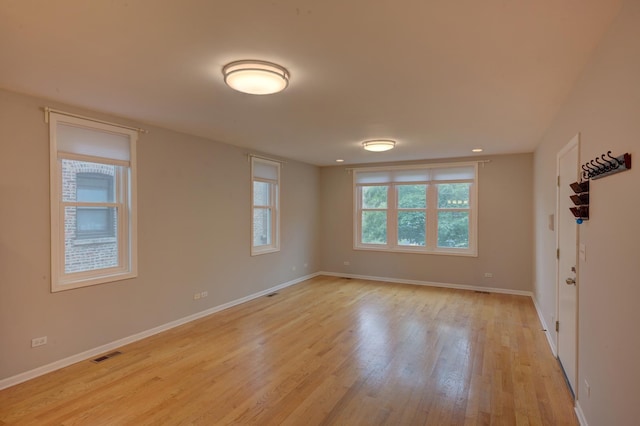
(603, 167)
(615, 160)
(610, 164)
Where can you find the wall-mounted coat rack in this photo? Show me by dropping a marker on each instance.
(603, 166)
(597, 168)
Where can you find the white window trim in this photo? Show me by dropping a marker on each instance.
(127, 218)
(274, 206)
(431, 231)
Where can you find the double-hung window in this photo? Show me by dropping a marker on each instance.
(93, 208)
(265, 196)
(418, 208)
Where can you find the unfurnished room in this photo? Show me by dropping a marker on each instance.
(295, 212)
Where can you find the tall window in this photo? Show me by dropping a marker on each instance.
(265, 224)
(418, 209)
(93, 224)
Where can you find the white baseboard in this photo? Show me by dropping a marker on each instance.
(430, 283)
(56, 365)
(581, 418)
(552, 343)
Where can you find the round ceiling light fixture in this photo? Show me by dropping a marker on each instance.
(379, 145)
(256, 77)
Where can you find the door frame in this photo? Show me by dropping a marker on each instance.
(573, 143)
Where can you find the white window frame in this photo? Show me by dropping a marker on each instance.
(431, 211)
(125, 202)
(273, 206)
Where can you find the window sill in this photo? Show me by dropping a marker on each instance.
(258, 252)
(70, 281)
(440, 252)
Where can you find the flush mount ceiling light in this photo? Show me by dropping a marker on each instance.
(379, 145)
(256, 77)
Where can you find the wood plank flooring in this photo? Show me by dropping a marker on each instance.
(329, 351)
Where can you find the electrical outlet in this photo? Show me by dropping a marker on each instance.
(38, 341)
(196, 296)
(347, 263)
(293, 268)
(488, 274)
(306, 265)
(204, 294)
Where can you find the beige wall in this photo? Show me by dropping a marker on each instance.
(505, 232)
(194, 218)
(605, 108)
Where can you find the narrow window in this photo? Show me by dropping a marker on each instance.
(265, 216)
(93, 224)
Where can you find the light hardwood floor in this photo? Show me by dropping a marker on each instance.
(328, 351)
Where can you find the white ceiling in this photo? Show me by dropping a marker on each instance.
(439, 76)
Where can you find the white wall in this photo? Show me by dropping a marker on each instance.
(604, 107)
(194, 227)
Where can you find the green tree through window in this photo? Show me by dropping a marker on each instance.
(374, 220)
(412, 202)
(453, 215)
(419, 209)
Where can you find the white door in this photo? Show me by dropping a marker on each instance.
(567, 266)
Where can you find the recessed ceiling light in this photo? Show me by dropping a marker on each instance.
(477, 150)
(379, 145)
(256, 77)
(339, 160)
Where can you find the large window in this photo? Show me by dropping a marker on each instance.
(93, 238)
(418, 209)
(265, 216)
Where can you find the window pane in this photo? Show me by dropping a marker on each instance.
(94, 187)
(412, 196)
(261, 227)
(261, 193)
(374, 197)
(80, 255)
(374, 227)
(85, 181)
(453, 195)
(453, 229)
(95, 222)
(411, 228)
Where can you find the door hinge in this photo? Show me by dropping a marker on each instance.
(557, 326)
(557, 253)
(558, 180)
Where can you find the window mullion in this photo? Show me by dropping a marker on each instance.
(273, 216)
(392, 215)
(432, 217)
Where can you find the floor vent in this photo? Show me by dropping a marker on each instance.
(482, 292)
(106, 357)
(272, 294)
